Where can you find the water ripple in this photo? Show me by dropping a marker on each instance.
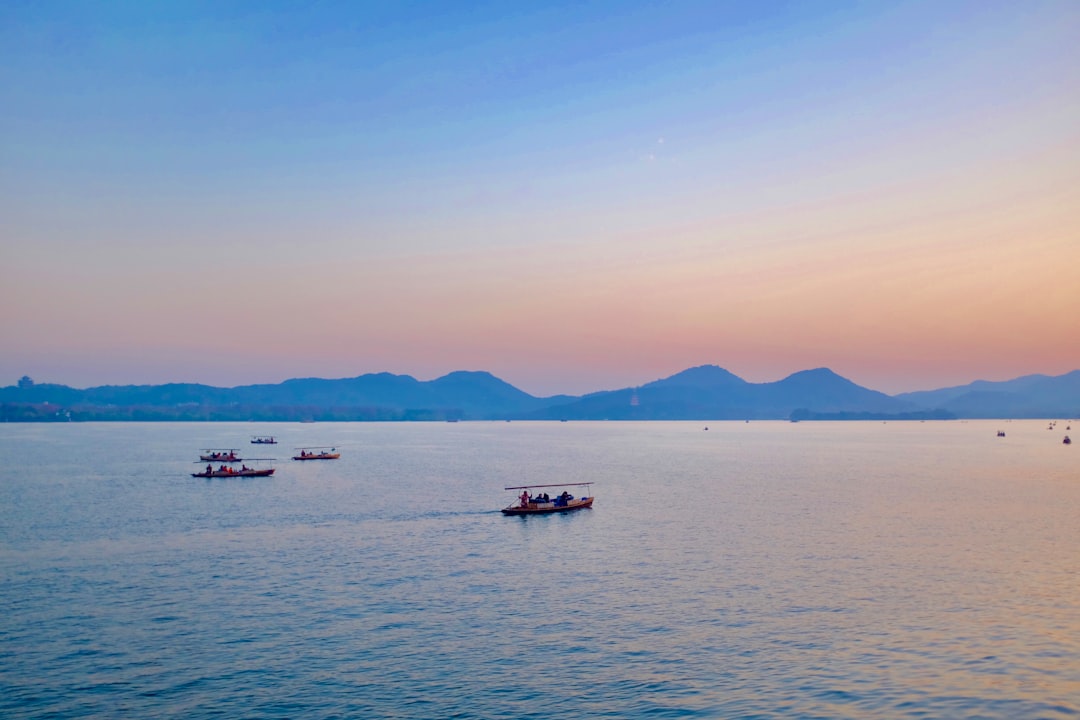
(761, 571)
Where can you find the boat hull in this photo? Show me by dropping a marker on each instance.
(548, 508)
(327, 456)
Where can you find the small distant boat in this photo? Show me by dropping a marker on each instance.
(1066, 441)
(263, 440)
(1001, 433)
(542, 504)
(317, 453)
(220, 455)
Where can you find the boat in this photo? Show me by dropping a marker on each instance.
(228, 472)
(263, 440)
(317, 453)
(220, 455)
(529, 504)
(1066, 441)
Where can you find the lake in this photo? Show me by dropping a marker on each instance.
(746, 570)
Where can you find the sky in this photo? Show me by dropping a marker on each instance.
(572, 196)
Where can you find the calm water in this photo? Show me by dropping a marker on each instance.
(762, 570)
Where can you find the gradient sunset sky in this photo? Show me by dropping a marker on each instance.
(573, 196)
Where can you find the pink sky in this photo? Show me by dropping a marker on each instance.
(893, 193)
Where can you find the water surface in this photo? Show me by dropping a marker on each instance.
(756, 570)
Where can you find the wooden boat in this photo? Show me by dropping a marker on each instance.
(263, 440)
(317, 453)
(220, 455)
(228, 472)
(529, 504)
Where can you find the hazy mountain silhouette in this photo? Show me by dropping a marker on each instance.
(376, 396)
(1031, 396)
(706, 392)
(710, 392)
(822, 390)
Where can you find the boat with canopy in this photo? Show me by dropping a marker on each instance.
(227, 471)
(542, 503)
(263, 440)
(317, 453)
(220, 455)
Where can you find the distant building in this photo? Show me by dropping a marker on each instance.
(26, 382)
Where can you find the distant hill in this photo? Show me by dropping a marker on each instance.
(712, 393)
(1031, 396)
(376, 396)
(706, 392)
(825, 391)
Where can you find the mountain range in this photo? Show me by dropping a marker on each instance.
(707, 392)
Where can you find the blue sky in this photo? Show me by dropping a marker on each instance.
(573, 196)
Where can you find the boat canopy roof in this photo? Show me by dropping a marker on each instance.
(317, 447)
(221, 449)
(529, 487)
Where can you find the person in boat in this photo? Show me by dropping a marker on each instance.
(209, 468)
(524, 498)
